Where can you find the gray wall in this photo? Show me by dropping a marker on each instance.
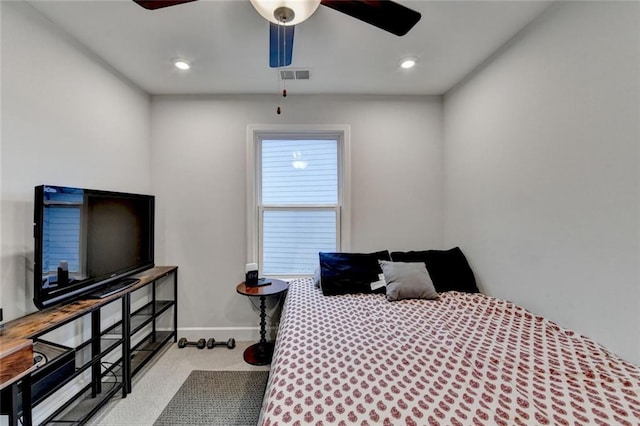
(199, 178)
(67, 119)
(541, 171)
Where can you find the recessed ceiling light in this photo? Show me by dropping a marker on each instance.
(181, 64)
(407, 63)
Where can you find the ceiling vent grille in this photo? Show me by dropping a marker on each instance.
(295, 74)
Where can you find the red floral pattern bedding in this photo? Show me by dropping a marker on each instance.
(465, 359)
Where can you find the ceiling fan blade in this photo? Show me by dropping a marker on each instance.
(280, 45)
(384, 14)
(159, 4)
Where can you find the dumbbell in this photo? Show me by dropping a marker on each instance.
(183, 342)
(231, 343)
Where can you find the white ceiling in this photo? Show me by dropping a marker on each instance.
(227, 43)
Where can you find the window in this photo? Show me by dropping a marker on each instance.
(298, 198)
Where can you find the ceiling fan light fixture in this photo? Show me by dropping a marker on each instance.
(285, 12)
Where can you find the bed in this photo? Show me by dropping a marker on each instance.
(462, 359)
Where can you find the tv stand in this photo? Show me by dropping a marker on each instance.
(113, 288)
(111, 350)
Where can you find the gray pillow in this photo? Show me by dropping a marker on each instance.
(316, 277)
(407, 281)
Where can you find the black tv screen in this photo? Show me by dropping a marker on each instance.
(86, 239)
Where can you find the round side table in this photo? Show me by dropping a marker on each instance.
(260, 353)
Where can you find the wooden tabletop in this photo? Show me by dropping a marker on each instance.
(16, 358)
(16, 344)
(39, 322)
(276, 287)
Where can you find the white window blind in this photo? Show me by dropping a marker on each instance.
(299, 207)
(299, 172)
(63, 243)
(293, 239)
(62, 231)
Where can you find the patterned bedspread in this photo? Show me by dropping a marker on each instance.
(465, 359)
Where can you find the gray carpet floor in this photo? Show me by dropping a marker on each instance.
(159, 381)
(224, 398)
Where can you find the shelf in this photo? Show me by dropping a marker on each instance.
(142, 316)
(84, 359)
(86, 405)
(147, 348)
(96, 374)
(107, 345)
(111, 330)
(111, 333)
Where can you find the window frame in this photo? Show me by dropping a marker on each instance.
(255, 135)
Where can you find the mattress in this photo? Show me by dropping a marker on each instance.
(463, 359)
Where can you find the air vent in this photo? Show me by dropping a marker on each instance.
(290, 74)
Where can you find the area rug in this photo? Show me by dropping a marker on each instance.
(217, 398)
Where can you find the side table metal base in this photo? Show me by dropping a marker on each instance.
(259, 353)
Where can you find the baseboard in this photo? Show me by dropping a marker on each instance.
(224, 333)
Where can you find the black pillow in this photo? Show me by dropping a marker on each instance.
(345, 273)
(448, 269)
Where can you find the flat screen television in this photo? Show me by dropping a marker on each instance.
(88, 239)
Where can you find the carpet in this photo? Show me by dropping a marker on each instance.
(217, 398)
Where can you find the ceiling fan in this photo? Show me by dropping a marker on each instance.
(283, 15)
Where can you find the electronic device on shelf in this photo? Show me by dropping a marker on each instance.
(258, 282)
(86, 239)
(54, 363)
(251, 276)
(263, 281)
(113, 288)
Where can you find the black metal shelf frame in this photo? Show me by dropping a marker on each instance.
(85, 403)
(107, 349)
(107, 378)
(155, 339)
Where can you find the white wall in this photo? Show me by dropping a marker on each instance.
(67, 119)
(199, 172)
(541, 171)
(541, 182)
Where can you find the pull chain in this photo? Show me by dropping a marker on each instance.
(281, 61)
(278, 110)
(284, 61)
